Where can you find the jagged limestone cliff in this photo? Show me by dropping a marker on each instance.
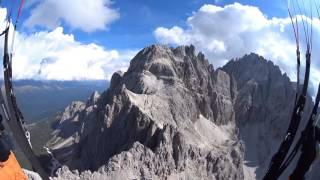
(172, 116)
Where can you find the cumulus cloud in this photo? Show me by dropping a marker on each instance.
(223, 33)
(54, 55)
(85, 15)
(58, 56)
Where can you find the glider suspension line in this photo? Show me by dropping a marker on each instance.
(306, 143)
(8, 101)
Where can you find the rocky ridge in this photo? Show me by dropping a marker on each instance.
(172, 116)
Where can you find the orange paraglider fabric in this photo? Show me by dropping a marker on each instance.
(11, 170)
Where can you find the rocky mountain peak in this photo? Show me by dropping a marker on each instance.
(162, 70)
(161, 60)
(171, 66)
(172, 116)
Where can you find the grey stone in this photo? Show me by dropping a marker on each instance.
(172, 116)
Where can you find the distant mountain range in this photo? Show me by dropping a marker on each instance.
(42, 99)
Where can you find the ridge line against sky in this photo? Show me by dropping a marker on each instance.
(98, 37)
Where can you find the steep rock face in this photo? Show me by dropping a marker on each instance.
(70, 128)
(262, 109)
(170, 115)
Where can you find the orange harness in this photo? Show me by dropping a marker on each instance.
(11, 170)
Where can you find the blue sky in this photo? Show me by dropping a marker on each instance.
(91, 39)
(139, 18)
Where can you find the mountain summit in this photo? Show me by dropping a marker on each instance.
(172, 116)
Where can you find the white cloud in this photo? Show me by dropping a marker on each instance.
(54, 55)
(85, 15)
(223, 33)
